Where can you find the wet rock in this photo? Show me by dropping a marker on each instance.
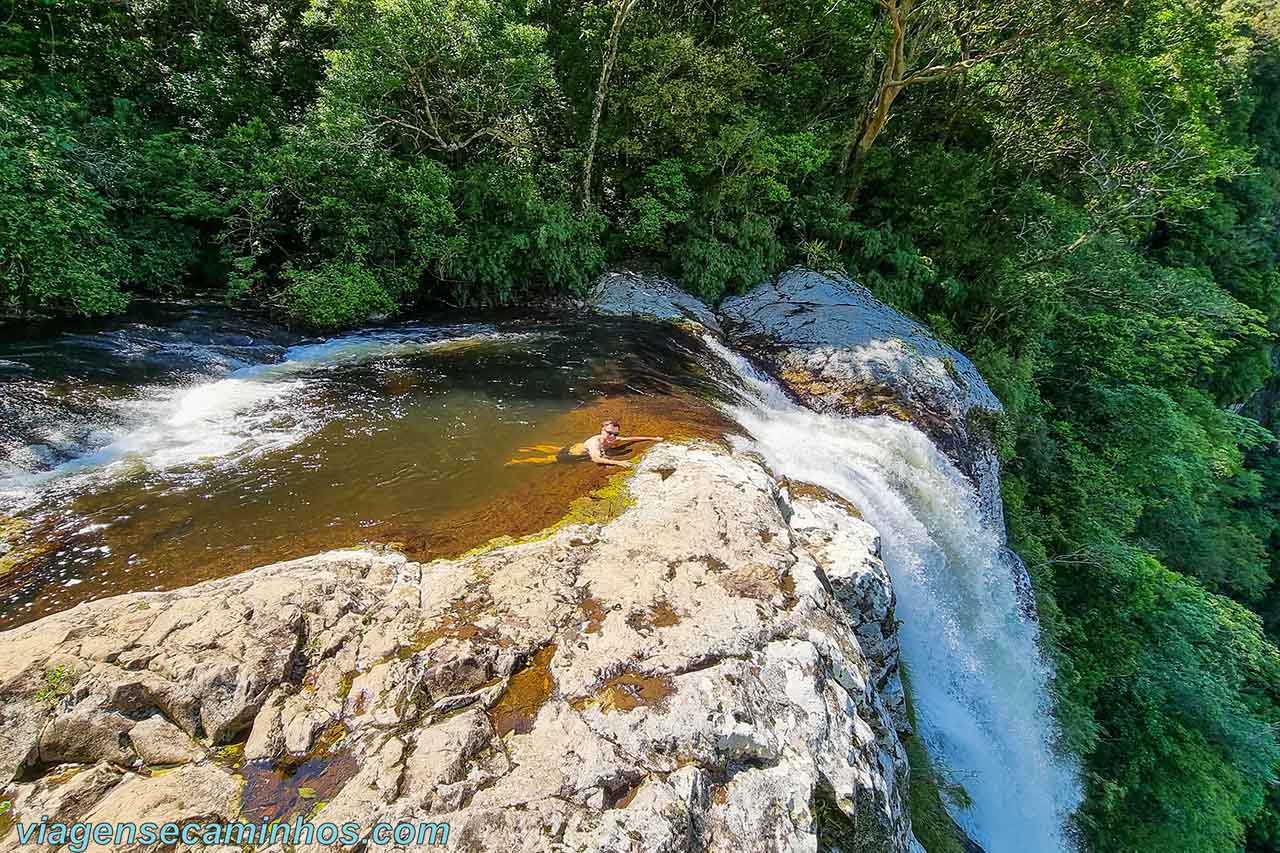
(628, 294)
(740, 659)
(839, 349)
(17, 547)
(371, 790)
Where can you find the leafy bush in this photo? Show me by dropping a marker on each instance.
(57, 248)
(334, 295)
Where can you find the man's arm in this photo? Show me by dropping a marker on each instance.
(593, 448)
(634, 438)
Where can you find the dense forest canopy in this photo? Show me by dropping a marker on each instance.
(1082, 195)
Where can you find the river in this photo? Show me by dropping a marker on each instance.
(190, 441)
(193, 442)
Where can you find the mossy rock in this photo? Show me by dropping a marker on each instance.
(931, 823)
(862, 833)
(597, 507)
(15, 548)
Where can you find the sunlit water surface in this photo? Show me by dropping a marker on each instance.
(195, 442)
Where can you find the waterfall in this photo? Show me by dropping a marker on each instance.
(979, 682)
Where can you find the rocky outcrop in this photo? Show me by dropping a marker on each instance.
(839, 349)
(628, 294)
(713, 669)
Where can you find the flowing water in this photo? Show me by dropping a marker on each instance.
(979, 683)
(194, 442)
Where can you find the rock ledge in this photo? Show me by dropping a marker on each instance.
(696, 673)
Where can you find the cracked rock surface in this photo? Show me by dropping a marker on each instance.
(696, 674)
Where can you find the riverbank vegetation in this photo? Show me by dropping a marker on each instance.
(1083, 196)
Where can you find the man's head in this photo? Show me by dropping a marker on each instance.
(609, 431)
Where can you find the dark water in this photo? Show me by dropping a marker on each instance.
(191, 442)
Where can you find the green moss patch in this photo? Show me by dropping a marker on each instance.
(862, 833)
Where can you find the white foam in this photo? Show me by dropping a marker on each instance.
(979, 682)
(253, 411)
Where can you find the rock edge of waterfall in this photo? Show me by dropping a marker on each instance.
(717, 668)
(838, 349)
(698, 673)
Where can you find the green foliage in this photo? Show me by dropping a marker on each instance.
(58, 683)
(1091, 211)
(442, 76)
(57, 249)
(334, 295)
(515, 238)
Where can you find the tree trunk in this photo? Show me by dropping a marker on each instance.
(876, 115)
(620, 14)
(876, 118)
(908, 30)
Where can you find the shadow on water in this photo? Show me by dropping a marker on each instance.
(166, 451)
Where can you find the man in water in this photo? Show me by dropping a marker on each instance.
(596, 448)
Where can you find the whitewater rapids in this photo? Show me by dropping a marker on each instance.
(253, 410)
(978, 680)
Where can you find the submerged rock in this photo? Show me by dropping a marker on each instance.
(698, 672)
(18, 545)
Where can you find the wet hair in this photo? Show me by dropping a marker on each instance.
(610, 422)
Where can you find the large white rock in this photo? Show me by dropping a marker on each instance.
(695, 673)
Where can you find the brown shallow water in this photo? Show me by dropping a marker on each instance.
(401, 436)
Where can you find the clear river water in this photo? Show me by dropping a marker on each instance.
(189, 442)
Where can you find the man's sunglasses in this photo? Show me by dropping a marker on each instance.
(613, 433)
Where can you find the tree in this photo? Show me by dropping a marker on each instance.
(621, 11)
(929, 41)
(450, 77)
(932, 41)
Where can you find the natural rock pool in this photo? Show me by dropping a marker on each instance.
(192, 442)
